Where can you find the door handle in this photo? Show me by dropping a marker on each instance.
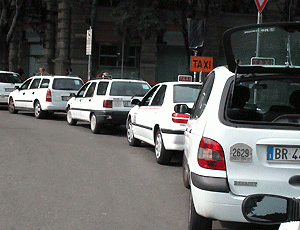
(90, 99)
(188, 130)
(23, 93)
(32, 92)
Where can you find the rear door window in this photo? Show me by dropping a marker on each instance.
(35, 83)
(45, 83)
(102, 87)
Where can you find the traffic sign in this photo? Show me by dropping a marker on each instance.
(89, 42)
(201, 64)
(260, 4)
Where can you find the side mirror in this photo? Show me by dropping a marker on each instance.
(270, 209)
(182, 108)
(17, 87)
(135, 101)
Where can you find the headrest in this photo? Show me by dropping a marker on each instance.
(241, 95)
(295, 99)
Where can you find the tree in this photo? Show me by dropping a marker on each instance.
(10, 12)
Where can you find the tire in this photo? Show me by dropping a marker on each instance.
(162, 155)
(95, 128)
(38, 112)
(197, 222)
(185, 173)
(132, 141)
(11, 106)
(70, 120)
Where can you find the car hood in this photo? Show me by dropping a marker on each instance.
(263, 48)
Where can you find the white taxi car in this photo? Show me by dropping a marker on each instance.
(243, 135)
(8, 82)
(43, 94)
(104, 101)
(154, 121)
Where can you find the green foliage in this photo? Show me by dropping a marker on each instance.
(133, 20)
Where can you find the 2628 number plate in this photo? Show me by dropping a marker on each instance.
(241, 153)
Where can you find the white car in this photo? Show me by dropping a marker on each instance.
(43, 94)
(104, 101)
(8, 82)
(243, 135)
(154, 121)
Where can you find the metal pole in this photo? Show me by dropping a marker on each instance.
(195, 73)
(259, 20)
(122, 61)
(89, 68)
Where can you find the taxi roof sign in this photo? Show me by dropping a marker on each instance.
(201, 64)
(185, 78)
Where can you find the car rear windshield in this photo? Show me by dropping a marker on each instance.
(186, 93)
(66, 84)
(10, 78)
(129, 88)
(269, 99)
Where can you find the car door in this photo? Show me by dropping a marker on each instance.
(75, 102)
(32, 93)
(141, 116)
(87, 102)
(20, 95)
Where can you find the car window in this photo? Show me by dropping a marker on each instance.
(35, 83)
(45, 83)
(25, 84)
(269, 99)
(159, 96)
(10, 78)
(66, 84)
(80, 93)
(128, 88)
(146, 100)
(185, 93)
(203, 97)
(91, 89)
(102, 86)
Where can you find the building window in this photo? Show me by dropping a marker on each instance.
(111, 55)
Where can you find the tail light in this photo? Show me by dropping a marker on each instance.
(48, 96)
(107, 104)
(180, 118)
(211, 155)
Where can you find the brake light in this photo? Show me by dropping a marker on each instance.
(48, 96)
(211, 155)
(180, 118)
(107, 103)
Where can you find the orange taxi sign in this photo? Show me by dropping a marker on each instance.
(201, 64)
(185, 78)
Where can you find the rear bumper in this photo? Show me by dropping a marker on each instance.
(173, 139)
(213, 199)
(111, 117)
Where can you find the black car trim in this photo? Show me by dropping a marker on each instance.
(213, 184)
(24, 100)
(142, 126)
(169, 131)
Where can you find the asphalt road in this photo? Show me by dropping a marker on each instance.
(56, 176)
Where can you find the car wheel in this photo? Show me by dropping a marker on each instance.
(185, 173)
(162, 155)
(11, 106)
(196, 221)
(130, 135)
(94, 124)
(70, 120)
(38, 112)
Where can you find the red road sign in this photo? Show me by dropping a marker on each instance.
(260, 4)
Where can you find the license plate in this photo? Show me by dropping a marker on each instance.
(241, 153)
(9, 89)
(283, 153)
(65, 98)
(127, 104)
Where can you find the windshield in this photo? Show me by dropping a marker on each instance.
(267, 99)
(186, 93)
(66, 84)
(10, 78)
(264, 48)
